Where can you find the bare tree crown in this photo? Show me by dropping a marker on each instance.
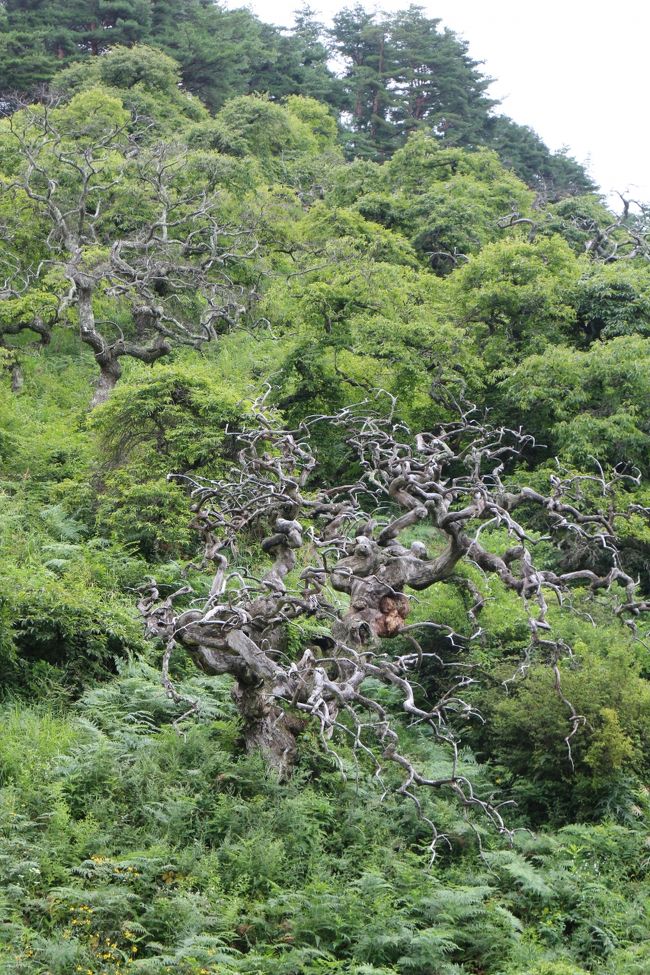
(337, 556)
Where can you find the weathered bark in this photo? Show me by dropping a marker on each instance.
(107, 356)
(110, 372)
(267, 728)
(450, 480)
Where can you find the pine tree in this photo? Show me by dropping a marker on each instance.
(295, 62)
(38, 38)
(215, 48)
(404, 73)
(401, 72)
(365, 45)
(437, 84)
(553, 175)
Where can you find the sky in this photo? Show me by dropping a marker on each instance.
(576, 71)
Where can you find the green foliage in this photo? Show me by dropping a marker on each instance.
(553, 175)
(613, 301)
(131, 847)
(148, 518)
(147, 81)
(169, 418)
(558, 777)
(400, 72)
(577, 219)
(137, 838)
(515, 297)
(69, 632)
(221, 53)
(449, 202)
(37, 38)
(403, 73)
(586, 404)
(275, 134)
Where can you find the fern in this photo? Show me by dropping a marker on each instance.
(61, 525)
(526, 877)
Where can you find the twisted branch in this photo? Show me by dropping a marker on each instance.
(337, 559)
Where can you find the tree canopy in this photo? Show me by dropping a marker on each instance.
(397, 73)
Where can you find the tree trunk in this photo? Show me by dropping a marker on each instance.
(17, 378)
(108, 377)
(267, 728)
(108, 362)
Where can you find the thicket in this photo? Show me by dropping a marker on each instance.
(137, 840)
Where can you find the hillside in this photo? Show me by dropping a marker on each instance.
(324, 503)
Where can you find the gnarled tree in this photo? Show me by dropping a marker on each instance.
(139, 256)
(337, 556)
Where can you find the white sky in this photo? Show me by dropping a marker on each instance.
(577, 71)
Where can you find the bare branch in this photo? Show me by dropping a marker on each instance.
(349, 578)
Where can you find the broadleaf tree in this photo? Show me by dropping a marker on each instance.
(136, 256)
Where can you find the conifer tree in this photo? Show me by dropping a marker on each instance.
(365, 46)
(436, 82)
(400, 72)
(295, 62)
(553, 175)
(38, 38)
(215, 48)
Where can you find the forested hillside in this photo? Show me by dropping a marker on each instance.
(395, 73)
(325, 577)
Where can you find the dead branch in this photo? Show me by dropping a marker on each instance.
(338, 564)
